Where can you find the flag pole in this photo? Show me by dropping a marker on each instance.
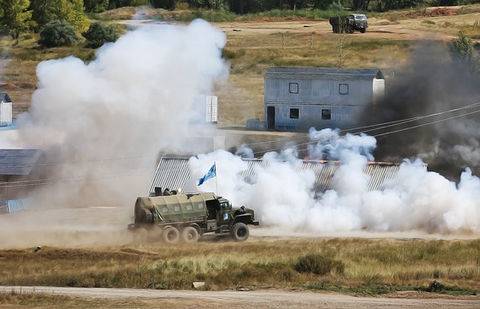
(216, 178)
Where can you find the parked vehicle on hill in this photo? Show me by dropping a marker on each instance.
(349, 23)
(172, 216)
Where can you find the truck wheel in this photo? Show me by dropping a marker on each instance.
(240, 231)
(363, 30)
(171, 235)
(190, 235)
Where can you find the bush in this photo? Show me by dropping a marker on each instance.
(163, 4)
(113, 4)
(318, 264)
(57, 33)
(99, 34)
(95, 6)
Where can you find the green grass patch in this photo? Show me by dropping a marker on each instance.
(319, 264)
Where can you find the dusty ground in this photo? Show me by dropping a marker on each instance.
(105, 225)
(244, 299)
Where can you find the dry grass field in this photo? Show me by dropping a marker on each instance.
(352, 266)
(256, 42)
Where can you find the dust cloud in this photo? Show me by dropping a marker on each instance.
(102, 124)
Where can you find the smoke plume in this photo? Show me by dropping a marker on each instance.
(111, 116)
(431, 82)
(283, 194)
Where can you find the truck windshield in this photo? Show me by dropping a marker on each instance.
(361, 17)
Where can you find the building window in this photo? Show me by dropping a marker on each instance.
(343, 89)
(293, 88)
(294, 113)
(326, 114)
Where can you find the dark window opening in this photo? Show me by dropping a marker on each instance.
(343, 89)
(271, 117)
(326, 114)
(294, 113)
(293, 87)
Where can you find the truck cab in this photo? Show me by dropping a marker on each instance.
(358, 22)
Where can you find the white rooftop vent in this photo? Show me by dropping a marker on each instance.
(5, 110)
(211, 109)
(207, 106)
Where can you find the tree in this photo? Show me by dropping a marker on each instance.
(71, 11)
(95, 6)
(163, 4)
(57, 33)
(99, 34)
(360, 4)
(113, 4)
(15, 16)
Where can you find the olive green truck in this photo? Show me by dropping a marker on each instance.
(349, 23)
(186, 217)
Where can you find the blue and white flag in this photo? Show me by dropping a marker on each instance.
(210, 174)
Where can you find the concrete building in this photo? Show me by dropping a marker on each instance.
(297, 98)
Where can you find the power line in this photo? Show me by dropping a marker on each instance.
(427, 123)
(386, 124)
(415, 126)
(395, 123)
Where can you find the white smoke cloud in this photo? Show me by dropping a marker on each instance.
(113, 115)
(415, 199)
(330, 145)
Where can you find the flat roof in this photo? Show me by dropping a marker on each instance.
(286, 72)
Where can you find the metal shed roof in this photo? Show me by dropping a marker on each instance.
(18, 162)
(321, 72)
(174, 172)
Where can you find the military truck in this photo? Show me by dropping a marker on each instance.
(173, 216)
(349, 23)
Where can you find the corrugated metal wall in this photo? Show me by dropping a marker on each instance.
(174, 173)
(11, 206)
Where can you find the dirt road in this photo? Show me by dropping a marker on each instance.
(415, 28)
(257, 299)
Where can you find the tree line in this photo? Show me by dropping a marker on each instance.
(65, 17)
(57, 21)
(253, 6)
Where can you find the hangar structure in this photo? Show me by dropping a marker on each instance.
(298, 98)
(20, 173)
(174, 173)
